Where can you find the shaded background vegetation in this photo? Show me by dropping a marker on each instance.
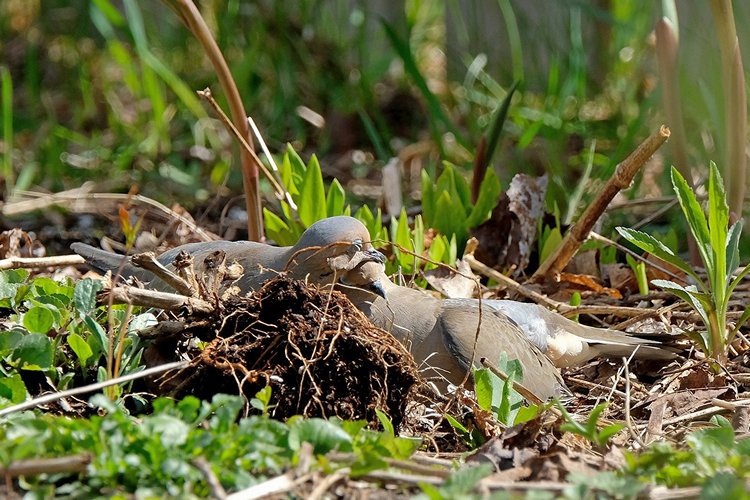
(104, 90)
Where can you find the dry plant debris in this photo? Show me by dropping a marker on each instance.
(320, 355)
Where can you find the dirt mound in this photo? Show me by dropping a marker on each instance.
(320, 355)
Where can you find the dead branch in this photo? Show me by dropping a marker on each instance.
(578, 233)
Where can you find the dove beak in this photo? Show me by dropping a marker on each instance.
(373, 255)
(377, 288)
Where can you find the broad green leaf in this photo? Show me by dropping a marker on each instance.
(14, 276)
(695, 217)
(439, 249)
(171, 431)
(13, 389)
(449, 217)
(38, 319)
(324, 435)
(291, 171)
(9, 339)
(335, 199)
(277, 229)
(84, 295)
(34, 352)
(685, 293)
(312, 202)
(526, 414)
(401, 236)
(488, 389)
(489, 194)
(733, 248)
(418, 235)
(141, 322)
(649, 244)
(80, 348)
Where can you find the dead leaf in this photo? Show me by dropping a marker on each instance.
(507, 239)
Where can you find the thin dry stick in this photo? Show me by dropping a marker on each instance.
(39, 262)
(208, 96)
(197, 25)
(49, 398)
(621, 179)
(68, 464)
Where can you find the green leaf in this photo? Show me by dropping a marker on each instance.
(335, 199)
(464, 480)
(34, 352)
(97, 332)
(9, 339)
(277, 229)
(291, 171)
(456, 424)
(450, 219)
(13, 389)
(14, 276)
(324, 435)
(312, 203)
(84, 295)
(695, 217)
(428, 199)
(385, 422)
(718, 217)
(80, 348)
(497, 125)
(489, 194)
(649, 244)
(488, 389)
(553, 240)
(38, 319)
(733, 248)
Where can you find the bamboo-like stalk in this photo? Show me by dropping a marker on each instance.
(667, 44)
(735, 105)
(192, 18)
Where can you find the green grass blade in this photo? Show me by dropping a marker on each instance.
(695, 217)
(497, 125)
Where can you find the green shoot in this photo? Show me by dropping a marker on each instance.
(718, 246)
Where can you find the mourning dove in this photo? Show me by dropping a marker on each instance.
(441, 334)
(568, 343)
(326, 252)
(564, 341)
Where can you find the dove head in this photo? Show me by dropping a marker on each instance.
(332, 249)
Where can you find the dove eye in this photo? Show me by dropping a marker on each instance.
(357, 245)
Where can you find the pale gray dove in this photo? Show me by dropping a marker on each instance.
(568, 343)
(441, 334)
(326, 252)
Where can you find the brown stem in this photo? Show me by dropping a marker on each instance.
(197, 25)
(621, 179)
